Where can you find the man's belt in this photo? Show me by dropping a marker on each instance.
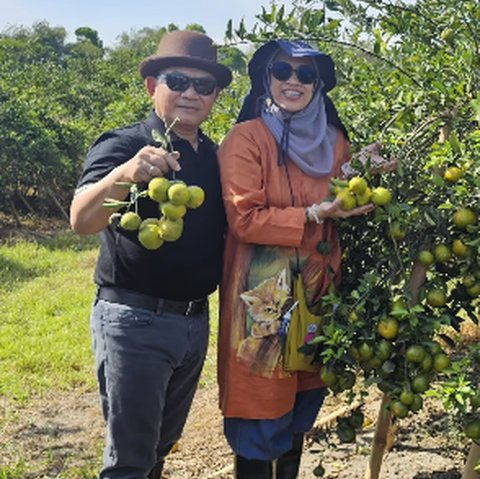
(145, 301)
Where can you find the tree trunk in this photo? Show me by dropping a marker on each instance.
(58, 204)
(384, 422)
(382, 437)
(14, 211)
(26, 203)
(473, 456)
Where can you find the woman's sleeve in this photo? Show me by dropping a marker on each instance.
(251, 219)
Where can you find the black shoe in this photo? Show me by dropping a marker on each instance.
(252, 468)
(156, 472)
(288, 464)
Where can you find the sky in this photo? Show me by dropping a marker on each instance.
(111, 18)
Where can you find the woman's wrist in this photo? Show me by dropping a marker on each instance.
(311, 213)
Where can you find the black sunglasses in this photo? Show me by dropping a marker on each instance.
(282, 71)
(179, 82)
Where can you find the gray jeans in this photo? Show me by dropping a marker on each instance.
(148, 366)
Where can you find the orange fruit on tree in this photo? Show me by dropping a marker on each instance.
(452, 174)
(427, 362)
(420, 383)
(328, 376)
(437, 297)
(417, 403)
(383, 349)
(399, 409)
(397, 230)
(388, 328)
(474, 290)
(407, 397)
(441, 362)
(415, 354)
(442, 253)
(381, 196)
(460, 249)
(425, 257)
(464, 217)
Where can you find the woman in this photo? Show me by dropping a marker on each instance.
(276, 165)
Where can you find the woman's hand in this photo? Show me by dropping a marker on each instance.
(333, 209)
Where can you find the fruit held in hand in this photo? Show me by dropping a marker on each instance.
(357, 185)
(173, 212)
(130, 221)
(197, 196)
(347, 199)
(149, 236)
(170, 230)
(178, 193)
(157, 189)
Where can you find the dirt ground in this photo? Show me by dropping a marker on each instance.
(67, 427)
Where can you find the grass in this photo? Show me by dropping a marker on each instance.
(46, 291)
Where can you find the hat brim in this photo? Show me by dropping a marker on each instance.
(153, 65)
(324, 62)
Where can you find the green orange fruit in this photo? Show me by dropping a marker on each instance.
(357, 185)
(464, 217)
(452, 174)
(436, 297)
(130, 221)
(425, 257)
(388, 328)
(157, 189)
(381, 196)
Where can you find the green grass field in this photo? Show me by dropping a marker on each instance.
(46, 290)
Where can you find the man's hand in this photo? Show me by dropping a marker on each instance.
(149, 162)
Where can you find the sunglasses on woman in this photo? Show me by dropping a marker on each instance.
(204, 86)
(282, 71)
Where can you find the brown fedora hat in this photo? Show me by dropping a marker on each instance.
(185, 48)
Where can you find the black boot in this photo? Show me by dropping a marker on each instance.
(156, 472)
(289, 463)
(252, 468)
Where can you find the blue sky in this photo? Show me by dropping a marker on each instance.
(111, 18)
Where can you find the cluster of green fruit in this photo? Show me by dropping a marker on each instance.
(356, 192)
(174, 197)
(460, 252)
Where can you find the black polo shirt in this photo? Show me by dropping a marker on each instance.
(186, 269)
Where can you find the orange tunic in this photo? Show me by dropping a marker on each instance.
(267, 241)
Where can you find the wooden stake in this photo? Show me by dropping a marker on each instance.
(379, 441)
(473, 456)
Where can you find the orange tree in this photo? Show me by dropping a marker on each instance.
(408, 76)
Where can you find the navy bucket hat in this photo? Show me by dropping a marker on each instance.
(295, 48)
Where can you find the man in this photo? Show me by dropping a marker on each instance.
(150, 315)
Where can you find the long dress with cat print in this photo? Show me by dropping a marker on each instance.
(268, 242)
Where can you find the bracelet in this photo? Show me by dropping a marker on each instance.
(312, 213)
